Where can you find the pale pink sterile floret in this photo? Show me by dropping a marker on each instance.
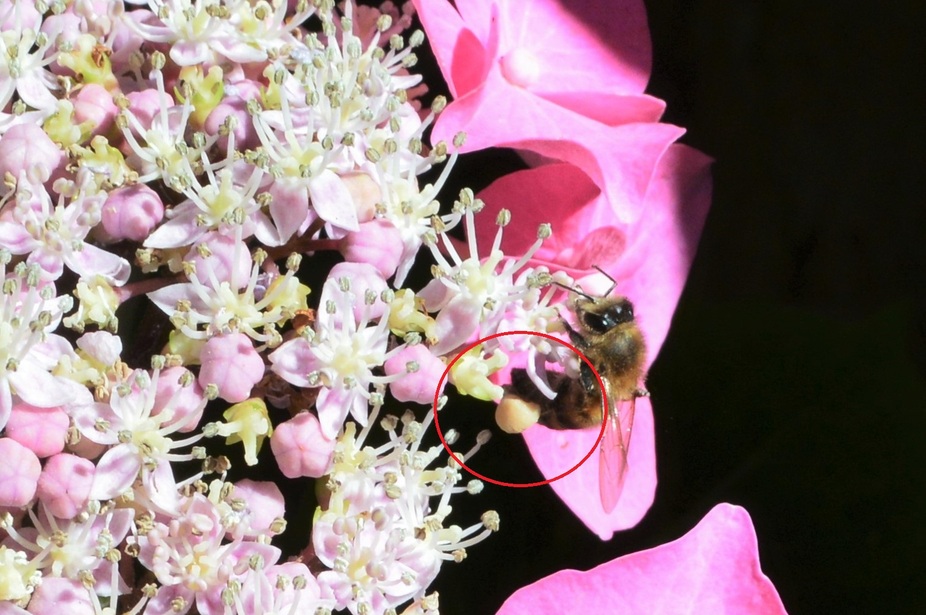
(714, 569)
(28, 154)
(230, 362)
(95, 104)
(19, 473)
(64, 486)
(132, 212)
(377, 242)
(300, 447)
(417, 373)
(41, 430)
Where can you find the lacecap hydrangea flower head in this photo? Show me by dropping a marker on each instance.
(178, 347)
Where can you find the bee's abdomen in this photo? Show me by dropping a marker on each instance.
(572, 408)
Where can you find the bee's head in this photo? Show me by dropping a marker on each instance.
(602, 315)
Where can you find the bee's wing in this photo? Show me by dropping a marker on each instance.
(612, 463)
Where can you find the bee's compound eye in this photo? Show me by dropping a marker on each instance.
(618, 314)
(596, 322)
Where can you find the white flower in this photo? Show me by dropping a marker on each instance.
(383, 533)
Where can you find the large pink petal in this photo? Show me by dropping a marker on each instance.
(713, 569)
(457, 46)
(662, 245)
(581, 45)
(557, 451)
(619, 159)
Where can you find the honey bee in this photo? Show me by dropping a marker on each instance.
(609, 337)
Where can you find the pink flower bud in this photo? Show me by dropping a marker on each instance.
(184, 402)
(235, 104)
(60, 595)
(230, 362)
(264, 502)
(95, 104)
(378, 243)
(19, 473)
(364, 279)
(229, 260)
(64, 486)
(417, 386)
(132, 212)
(41, 430)
(145, 105)
(300, 447)
(364, 192)
(26, 149)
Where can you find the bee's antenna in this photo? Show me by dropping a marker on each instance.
(607, 275)
(576, 290)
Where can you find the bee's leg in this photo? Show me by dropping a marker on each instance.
(640, 392)
(575, 337)
(588, 379)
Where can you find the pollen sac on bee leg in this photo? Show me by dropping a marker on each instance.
(514, 415)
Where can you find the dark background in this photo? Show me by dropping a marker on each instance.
(792, 380)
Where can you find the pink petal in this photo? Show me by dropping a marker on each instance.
(586, 46)
(115, 472)
(181, 230)
(91, 260)
(289, 207)
(166, 298)
(459, 49)
(38, 387)
(557, 451)
(58, 595)
(15, 238)
(332, 201)
(293, 361)
(264, 502)
(713, 569)
(661, 247)
(619, 159)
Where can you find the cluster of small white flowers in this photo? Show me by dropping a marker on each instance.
(176, 166)
(383, 530)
